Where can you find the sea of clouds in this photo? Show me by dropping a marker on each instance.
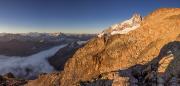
(28, 67)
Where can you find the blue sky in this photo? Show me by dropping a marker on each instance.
(72, 16)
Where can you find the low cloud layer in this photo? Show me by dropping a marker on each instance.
(28, 67)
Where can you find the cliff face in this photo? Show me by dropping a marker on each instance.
(137, 57)
(123, 51)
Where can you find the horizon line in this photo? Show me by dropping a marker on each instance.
(45, 32)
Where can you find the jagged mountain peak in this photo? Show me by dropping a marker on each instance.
(123, 27)
(136, 18)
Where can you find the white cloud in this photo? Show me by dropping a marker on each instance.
(30, 66)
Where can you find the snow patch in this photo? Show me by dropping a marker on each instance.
(101, 34)
(125, 31)
(114, 26)
(123, 27)
(81, 42)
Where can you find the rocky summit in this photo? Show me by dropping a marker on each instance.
(123, 27)
(148, 54)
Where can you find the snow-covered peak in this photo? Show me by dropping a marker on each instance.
(123, 27)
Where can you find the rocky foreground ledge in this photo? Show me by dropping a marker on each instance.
(9, 80)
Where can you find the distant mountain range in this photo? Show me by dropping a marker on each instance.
(44, 36)
(24, 44)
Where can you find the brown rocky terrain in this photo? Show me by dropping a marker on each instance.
(147, 56)
(10, 80)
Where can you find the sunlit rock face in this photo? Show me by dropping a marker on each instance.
(137, 58)
(124, 52)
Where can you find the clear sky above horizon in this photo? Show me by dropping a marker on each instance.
(72, 16)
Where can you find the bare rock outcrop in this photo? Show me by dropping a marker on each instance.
(137, 58)
(123, 51)
(9, 80)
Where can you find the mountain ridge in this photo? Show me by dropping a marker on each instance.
(133, 52)
(123, 27)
